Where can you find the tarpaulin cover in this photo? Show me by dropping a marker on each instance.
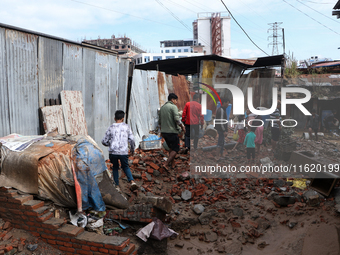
(89, 163)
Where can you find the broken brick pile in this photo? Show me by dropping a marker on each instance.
(25, 213)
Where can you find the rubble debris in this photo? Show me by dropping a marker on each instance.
(198, 209)
(186, 195)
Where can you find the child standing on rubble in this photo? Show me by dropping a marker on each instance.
(117, 137)
(249, 142)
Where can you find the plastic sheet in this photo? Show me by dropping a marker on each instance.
(89, 163)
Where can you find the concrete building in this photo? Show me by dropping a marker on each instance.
(123, 45)
(213, 31)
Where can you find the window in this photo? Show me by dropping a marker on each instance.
(123, 46)
(161, 51)
(170, 57)
(116, 47)
(186, 50)
(167, 51)
(147, 59)
(157, 58)
(173, 51)
(179, 50)
(182, 56)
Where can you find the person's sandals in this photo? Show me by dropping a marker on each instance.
(134, 185)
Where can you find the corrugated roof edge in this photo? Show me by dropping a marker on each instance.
(188, 65)
(87, 45)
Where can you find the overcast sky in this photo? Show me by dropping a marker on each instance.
(147, 22)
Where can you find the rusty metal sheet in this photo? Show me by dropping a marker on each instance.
(73, 72)
(50, 69)
(4, 113)
(101, 111)
(123, 73)
(113, 86)
(181, 89)
(22, 80)
(74, 115)
(89, 59)
(20, 169)
(162, 88)
(53, 118)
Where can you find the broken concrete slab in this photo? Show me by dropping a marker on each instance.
(186, 195)
(198, 209)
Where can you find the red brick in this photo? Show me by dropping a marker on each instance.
(6, 225)
(21, 199)
(67, 244)
(118, 248)
(86, 248)
(102, 250)
(71, 230)
(44, 217)
(51, 242)
(85, 252)
(77, 246)
(127, 250)
(33, 204)
(66, 249)
(60, 243)
(7, 237)
(3, 199)
(113, 252)
(94, 248)
(48, 236)
(35, 234)
(8, 248)
(95, 244)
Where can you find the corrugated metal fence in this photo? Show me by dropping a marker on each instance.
(34, 68)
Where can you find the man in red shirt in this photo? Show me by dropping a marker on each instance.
(192, 118)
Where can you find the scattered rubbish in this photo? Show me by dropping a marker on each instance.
(198, 209)
(32, 247)
(186, 195)
(155, 230)
(299, 183)
(49, 145)
(78, 219)
(262, 245)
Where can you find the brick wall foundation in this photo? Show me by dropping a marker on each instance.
(31, 215)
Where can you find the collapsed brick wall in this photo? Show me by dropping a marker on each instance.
(138, 212)
(32, 215)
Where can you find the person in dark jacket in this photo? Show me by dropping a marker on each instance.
(221, 126)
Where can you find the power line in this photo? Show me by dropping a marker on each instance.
(318, 12)
(243, 29)
(317, 2)
(99, 7)
(310, 17)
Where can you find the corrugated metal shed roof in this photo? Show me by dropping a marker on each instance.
(87, 45)
(327, 64)
(191, 65)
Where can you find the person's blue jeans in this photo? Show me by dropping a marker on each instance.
(124, 161)
(220, 141)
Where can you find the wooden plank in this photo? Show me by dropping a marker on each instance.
(74, 114)
(53, 118)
